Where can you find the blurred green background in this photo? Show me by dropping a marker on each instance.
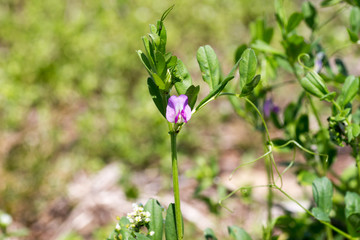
(73, 94)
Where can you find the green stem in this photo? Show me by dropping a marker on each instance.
(358, 167)
(310, 213)
(313, 108)
(269, 173)
(178, 221)
(269, 146)
(329, 234)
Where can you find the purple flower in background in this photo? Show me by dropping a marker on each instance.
(270, 107)
(178, 109)
(319, 61)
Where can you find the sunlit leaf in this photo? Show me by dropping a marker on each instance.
(156, 220)
(294, 20)
(322, 192)
(247, 67)
(209, 66)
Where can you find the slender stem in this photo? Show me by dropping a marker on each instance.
(270, 192)
(313, 108)
(358, 167)
(329, 233)
(178, 221)
(310, 213)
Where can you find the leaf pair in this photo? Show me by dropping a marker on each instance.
(323, 192)
(247, 70)
(156, 220)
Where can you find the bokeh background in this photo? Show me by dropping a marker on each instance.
(80, 138)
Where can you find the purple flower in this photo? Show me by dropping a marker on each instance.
(319, 61)
(270, 107)
(178, 109)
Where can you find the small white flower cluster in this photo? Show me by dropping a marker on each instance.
(138, 217)
(5, 219)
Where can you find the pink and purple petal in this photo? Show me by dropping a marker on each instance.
(178, 109)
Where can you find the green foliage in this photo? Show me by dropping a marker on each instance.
(156, 218)
(209, 66)
(238, 233)
(170, 223)
(352, 213)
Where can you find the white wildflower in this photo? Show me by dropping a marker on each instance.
(138, 219)
(151, 233)
(117, 227)
(5, 219)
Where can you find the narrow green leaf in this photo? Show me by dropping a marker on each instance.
(156, 96)
(166, 12)
(182, 77)
(160, 65)
(355, 129)
(238, 233)
(280, 13)
(156, 219)
(349, 132)
(309, 13)
(294, 20)
(155, 38)
(314, 84)
(355, 20)
(352, 35)
(259, 31)
(247, 67)
(322, 193)
(163, 37)
(192, 93)
(171, 61)
(158, 81)
(150, 50)
(170, 223)
(153, 29)
(265, 47)
(209, 234)
(145, 61)
(209, 66)
(327, 3)
(249, 87)
(349, 90)
(214, 93)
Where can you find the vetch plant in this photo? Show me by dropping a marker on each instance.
(175, 96)
(167, 73)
